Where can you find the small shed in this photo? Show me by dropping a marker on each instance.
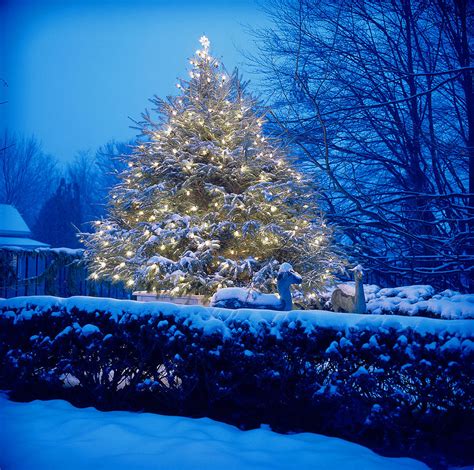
(14, 232)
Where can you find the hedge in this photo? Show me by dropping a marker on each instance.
(400, 385)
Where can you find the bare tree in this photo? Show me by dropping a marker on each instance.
(94, 174)
(27, 175)
(110, 162)
(374, 95)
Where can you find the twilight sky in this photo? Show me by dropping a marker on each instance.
(76, 70)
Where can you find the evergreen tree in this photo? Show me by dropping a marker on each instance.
(60, 216)
(207, 201)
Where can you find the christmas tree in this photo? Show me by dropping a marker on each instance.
(207, 201)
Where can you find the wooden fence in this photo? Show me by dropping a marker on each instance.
(58, 272)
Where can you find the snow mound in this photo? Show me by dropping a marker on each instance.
(422, 300)
(54, 434)
(245, 296)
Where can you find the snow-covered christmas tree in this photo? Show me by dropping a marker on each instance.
(208, 201)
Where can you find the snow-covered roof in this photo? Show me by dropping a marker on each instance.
(21, 242)
(12, 223)
(14, 233)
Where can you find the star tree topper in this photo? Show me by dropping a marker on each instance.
(205, 43)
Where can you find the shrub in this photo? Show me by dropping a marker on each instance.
(394, 383)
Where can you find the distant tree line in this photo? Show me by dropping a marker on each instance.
(57, 202)
(376, 97)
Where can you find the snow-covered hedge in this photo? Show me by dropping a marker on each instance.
(390, 381)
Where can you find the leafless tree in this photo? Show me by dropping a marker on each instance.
(110, 162)
(375, 97)
(94, 174)
(27, 175)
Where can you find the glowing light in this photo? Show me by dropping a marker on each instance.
(94, 276)
(116, 276)
(194, 208)
(122, 264)
(130, 282)
(162, 247)
(237, 234)
(273, 209)
(204, 41)
(129, 253)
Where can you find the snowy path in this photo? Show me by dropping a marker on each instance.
(54, 435)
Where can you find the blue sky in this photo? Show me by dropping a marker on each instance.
(76, 70)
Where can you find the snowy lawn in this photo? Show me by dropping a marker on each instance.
(50, 435)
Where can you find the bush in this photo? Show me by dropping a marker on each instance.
(396, 384)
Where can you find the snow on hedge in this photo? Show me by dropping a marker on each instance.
(54, 435)
(213, 320)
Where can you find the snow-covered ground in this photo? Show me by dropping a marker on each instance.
(53, 435)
